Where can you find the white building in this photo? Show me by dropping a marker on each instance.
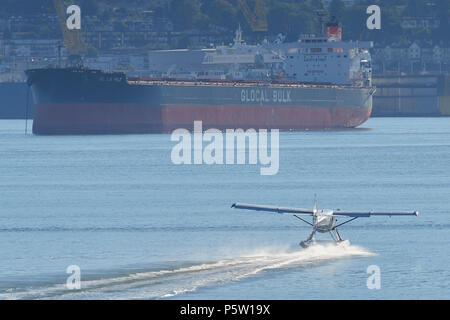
(420, 22)
(414, 51)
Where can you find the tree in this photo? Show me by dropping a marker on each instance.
(337, 8)
(24, 7)
(221, 13)
(89, 7)
(183, 42)
(186, 14)
(318, 5)
(443, 13)
(92, 52)
(292, 19)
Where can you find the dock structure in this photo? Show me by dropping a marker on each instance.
(411, 95)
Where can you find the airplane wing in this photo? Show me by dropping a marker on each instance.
(274, 209)
(357, 214)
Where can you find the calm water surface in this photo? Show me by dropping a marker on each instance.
(140, 227)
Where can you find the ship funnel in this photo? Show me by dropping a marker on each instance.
(333, 31)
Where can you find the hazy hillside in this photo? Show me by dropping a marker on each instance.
(288, 17)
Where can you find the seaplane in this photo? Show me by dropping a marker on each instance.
(324, 220)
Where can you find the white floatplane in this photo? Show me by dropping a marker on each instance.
(324, 220)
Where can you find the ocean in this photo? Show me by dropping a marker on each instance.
(137, 226)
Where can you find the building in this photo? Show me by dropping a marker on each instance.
(42, 48)
(420, 22)
(414, 58)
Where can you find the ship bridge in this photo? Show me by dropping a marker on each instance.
(328, 61)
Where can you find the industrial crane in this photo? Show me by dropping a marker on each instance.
(257, 18)
(73, 40)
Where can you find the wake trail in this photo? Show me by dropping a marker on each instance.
(167, 283)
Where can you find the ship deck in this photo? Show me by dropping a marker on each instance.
(234, 83)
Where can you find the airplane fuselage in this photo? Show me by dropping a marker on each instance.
(324, 221)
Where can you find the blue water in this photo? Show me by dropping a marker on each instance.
(140, 227)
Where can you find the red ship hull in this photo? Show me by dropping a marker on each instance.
(133, 118)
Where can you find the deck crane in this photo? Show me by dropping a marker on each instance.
(257, 18)
(73, 40)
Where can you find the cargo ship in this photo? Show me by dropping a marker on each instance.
(314, 83)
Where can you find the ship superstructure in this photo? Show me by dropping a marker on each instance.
(312, 59)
